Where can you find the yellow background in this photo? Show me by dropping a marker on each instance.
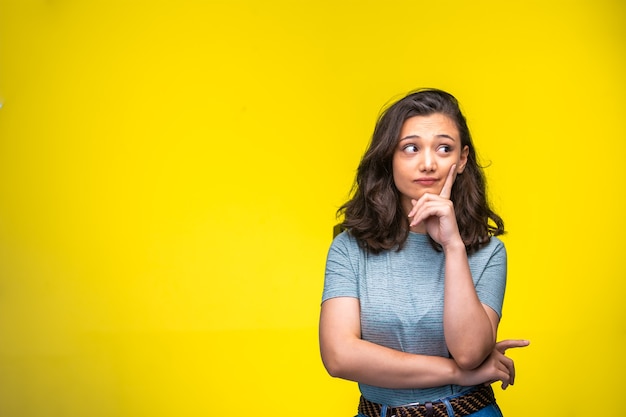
(170, 170)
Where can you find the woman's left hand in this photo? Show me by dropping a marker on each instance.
(436, 212)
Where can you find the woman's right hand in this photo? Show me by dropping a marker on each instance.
(497, 366)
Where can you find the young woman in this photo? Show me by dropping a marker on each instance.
(414, 285)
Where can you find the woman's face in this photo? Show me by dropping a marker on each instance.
(426, 150)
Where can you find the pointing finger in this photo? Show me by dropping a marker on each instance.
(447, 186)
(503, 345)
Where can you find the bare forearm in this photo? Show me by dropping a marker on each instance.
(346, 355)
(372, 364)
(468, 330)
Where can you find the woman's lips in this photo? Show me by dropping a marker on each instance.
(426, 181)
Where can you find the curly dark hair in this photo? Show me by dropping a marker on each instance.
(374, 215)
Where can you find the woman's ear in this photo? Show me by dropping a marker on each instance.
(463, 160)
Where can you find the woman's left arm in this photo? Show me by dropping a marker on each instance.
(470, 327)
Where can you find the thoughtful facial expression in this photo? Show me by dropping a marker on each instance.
(426, 150)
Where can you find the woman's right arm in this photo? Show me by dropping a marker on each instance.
(346, 355)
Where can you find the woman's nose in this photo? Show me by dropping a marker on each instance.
(427, 162)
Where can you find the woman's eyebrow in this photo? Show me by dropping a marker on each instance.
(445, 135)
(439, 136)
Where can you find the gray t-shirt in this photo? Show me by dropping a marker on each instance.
(401, 298)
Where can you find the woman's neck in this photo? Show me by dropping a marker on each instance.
(419, 228)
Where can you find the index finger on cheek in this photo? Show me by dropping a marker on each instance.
(447, 186)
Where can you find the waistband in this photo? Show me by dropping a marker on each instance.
(462, 405)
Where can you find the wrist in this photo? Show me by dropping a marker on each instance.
(455, 245)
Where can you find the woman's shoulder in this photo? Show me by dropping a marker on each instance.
(344, 239)
(493, 246)
(347, 246)
(495, 242)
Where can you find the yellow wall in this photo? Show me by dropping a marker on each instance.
(169, 172)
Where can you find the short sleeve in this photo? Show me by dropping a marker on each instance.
(491, 281)
(340, 278)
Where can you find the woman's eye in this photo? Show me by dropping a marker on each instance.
(445, 148)
(410, 148)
